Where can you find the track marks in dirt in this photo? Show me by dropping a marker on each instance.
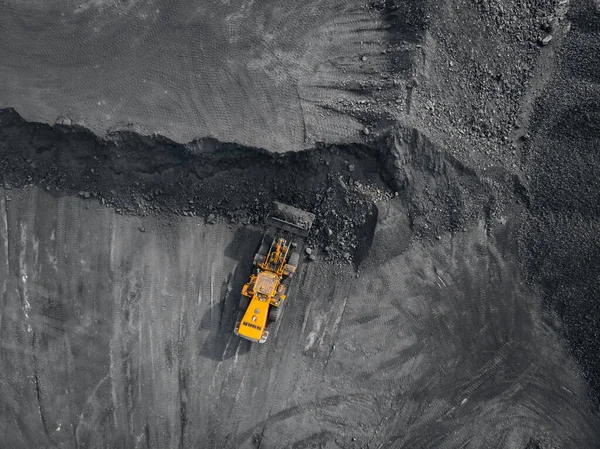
(477, 342)
(188, 70)
(293, 412)
(342, 57)
(32, 306)
(174, 375)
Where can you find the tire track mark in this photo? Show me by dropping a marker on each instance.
(181, 353)
(289, 412)
(4, 257)
(38, 393)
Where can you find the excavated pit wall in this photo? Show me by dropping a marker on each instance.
(342, 184)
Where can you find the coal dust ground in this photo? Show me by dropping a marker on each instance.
(452, 300)
(116, 337)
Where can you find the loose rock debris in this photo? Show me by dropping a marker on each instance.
(341, 184)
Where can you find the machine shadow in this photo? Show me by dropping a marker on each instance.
(221, 343)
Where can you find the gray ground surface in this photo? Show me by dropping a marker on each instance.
(561, 241)
(454, 299)
(112, 337)
(244, 71)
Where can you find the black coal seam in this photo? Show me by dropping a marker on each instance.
(24, 163)
(152, 175)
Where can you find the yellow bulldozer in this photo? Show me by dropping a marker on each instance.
(265, 294)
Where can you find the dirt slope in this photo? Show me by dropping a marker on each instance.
(561, 242)
(121, 338)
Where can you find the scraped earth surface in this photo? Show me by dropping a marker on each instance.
(434, 347)
(453, 297)
(251, 72)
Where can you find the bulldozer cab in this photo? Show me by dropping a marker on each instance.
(266, 283)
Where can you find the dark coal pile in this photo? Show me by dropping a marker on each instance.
(154, 176)
(341, 184)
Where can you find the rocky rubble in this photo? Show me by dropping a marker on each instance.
(142, 175)
(340, 184)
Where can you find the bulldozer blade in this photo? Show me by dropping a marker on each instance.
(290, 219)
